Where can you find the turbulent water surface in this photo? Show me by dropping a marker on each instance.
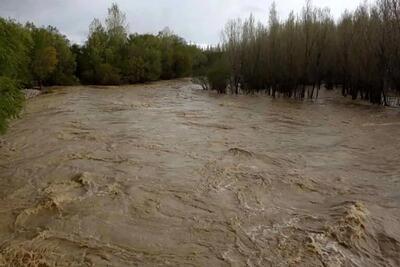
(167, 174)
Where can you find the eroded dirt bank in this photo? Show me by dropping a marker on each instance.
(166, 174)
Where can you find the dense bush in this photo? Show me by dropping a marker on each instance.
(15, 49)
(51, 57)
(11, 101)
(142, 59)
(218, 75)
(15, 46)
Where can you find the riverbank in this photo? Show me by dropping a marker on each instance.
(31, 93)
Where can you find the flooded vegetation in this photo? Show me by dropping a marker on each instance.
(167, 174)
(295, 57)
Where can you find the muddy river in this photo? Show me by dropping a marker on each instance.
(166, 174)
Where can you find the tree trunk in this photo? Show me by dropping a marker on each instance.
(318, 89)
(312, 92)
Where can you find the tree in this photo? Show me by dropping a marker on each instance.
(218, 75)
(106, 74)
(142, 59)
(344, 44)
(44, 63)
(116, 25)
(232, 37)
(360, 53)
(64, 74)
(52, 60)
(15, 46)
(117, 37)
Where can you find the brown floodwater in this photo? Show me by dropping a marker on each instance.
(166, 174)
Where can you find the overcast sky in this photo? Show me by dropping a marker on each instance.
(198, 21)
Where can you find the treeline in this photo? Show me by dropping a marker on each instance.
(360, 53)
(34, 57)
(30, 56)
(112, 56)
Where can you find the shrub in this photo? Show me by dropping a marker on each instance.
(202, 81)
(218, 76)
(108, 75)
(11, 101)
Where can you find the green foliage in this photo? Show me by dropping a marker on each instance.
(101, 59)
(143, 59)
(52, 60)
(108, 75)
(116, 26)
(137, 58)
(44, 62)
(64, 73)
(15, 47)
(207, 62)
(218, 75)
(176, 58)
(11, 101)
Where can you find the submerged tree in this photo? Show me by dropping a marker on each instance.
(294, 58)
(232, 37)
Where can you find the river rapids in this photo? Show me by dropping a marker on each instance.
(165, 174)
